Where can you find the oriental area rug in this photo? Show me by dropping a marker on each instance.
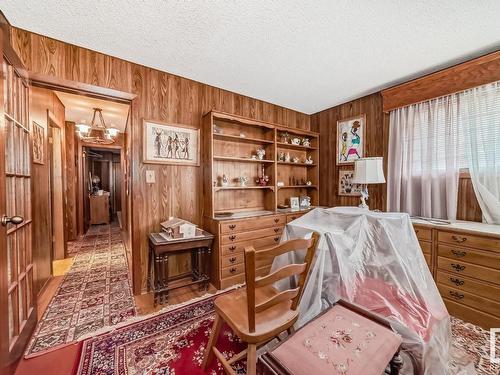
(95, 293)
(173, 343)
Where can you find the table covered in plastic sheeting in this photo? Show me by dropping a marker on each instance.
(373, 259)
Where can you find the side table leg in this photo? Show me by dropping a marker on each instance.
(157, 278)
(165, 278)
(208, 263)
(199, 268)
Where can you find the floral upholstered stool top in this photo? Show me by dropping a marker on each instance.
(339, 341)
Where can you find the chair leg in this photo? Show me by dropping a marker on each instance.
(209, 354)
(251, 359)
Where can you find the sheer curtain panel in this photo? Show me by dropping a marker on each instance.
(430, 142)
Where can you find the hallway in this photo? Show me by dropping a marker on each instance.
(95, 293)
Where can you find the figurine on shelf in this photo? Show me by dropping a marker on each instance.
(243, 181)
(309, 183)
(296, 159)
(280, 183)
(309, 160)
(296, 141)
(287, 157)
(305, 202)
(217, 130)
(242, 135)
(224, 181)
(263, 179)
(281, 156)
(285, 137)
(306, 142)
(261, 153)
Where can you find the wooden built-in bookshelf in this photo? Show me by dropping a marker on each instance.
(230, 141)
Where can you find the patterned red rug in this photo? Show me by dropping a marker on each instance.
(95, 293)
(171, 343)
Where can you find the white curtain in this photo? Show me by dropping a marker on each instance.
(430, 142)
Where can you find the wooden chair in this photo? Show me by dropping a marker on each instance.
(259, 312)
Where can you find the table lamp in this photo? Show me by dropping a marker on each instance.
(368, 171)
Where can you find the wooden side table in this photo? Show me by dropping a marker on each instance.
(161, 249)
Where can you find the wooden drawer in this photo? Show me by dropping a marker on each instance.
(468, 269)
(259, 243)
(237, 226)
(232, 259)
(469, 285)
(423, 233)
(482, 258)
(246, 236)
(426, 247)
(472, 315)
(292, 217)
(233, 270)
(470, 299)
(479, 242)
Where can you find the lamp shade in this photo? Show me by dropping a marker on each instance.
(368, 171)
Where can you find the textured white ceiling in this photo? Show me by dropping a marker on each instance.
(304, 55)
(80, 109)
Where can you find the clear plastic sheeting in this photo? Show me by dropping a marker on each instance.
(373, 259)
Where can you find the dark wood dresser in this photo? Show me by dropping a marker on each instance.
(464, 258)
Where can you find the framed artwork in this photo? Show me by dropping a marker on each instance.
(38, 134)
(165, 143)
(350, 139)
(294, 203)
(346, 187)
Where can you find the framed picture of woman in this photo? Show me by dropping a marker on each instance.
(350, 139)
(165, 143)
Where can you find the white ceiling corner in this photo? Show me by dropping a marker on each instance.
(303, 55)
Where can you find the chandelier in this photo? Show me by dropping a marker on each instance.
(97, 131)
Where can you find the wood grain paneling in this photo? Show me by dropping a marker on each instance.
(159, 96)
(377, 137)
(41, 101)
(71, 181)
(460, 77)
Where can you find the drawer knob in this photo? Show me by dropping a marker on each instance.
(276, 230)
(232, 270)
(459, 239)
(456, 295)
(232, 238)
(457, 282)
(232, 248)
(232, 260)
(232, 226)
(457, 267)
(459, 253)
(276, 219)
(276, 239)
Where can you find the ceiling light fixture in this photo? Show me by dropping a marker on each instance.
(97, 132)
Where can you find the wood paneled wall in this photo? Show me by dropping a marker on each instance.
(377, 137)
(42, 100)
(71, 181)
(159, 96)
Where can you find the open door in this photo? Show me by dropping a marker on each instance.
(17, 305)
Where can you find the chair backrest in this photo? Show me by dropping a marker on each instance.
(252, 259)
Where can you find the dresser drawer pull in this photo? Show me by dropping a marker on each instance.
(232, 238)
(459, 239)
(232, 260)
(276, 219)
(457, 282)
(232, 270)
(459, 253)
(276, 239)
(276, 230)
(457, 267)
(294, 217)
(416, 231)
(456, 295)
(232, 248)
(232, 226)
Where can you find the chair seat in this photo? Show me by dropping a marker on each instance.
(232, 307)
